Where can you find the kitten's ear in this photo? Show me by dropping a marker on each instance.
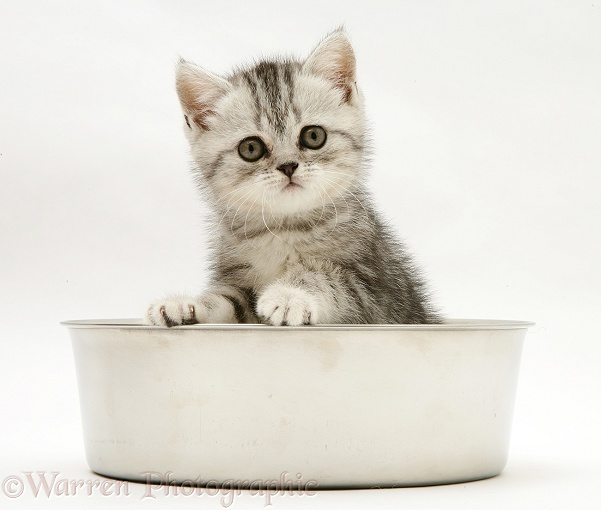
(334, 60)
(198, 92)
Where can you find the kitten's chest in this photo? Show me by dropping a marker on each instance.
(270, 256)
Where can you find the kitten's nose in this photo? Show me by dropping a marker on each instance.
(288, 168)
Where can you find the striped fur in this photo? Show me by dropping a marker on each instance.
(305, 248)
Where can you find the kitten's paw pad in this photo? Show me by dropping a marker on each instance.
(282, 305)
(173, 312)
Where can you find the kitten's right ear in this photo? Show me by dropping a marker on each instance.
(334, 60)
(198, 92)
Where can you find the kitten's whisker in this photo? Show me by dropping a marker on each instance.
(236, 199)
(263, 215)
(347, 190)
(246, 217)
(323, 204)
(228, 209)
(237, 189)
(236, 213)
(279, 220)
(349, 178)
(335, 209)
(348, 207)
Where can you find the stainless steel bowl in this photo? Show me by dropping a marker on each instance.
(325, 406)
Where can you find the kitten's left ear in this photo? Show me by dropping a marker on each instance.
(198, 92)
(334, 60)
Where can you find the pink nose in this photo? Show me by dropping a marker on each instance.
(288, 168)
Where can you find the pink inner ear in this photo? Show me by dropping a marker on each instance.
(334, 60)
(198, 93)
(197, 105)
(342, 76)
(200, 119)
(344, 81)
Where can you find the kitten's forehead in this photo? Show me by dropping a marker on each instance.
(271, 85)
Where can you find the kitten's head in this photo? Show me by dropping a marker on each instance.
(280, 138)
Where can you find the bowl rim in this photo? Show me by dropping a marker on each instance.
(446, 325)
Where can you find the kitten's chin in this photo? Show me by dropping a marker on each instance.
(293, 198)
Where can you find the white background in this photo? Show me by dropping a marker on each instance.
(486, 120)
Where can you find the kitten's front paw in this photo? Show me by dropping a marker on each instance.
(173, 312)
(284, 305)
(210, 307)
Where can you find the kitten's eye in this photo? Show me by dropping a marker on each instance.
(251, 149)
(313, 137)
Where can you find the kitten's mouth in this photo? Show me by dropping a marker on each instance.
(292, 186)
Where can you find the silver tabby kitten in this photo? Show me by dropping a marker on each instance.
(280, 151)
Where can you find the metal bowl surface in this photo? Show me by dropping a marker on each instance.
(338, 406)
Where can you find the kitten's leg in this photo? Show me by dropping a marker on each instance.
(218, 306)
(319, 295)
